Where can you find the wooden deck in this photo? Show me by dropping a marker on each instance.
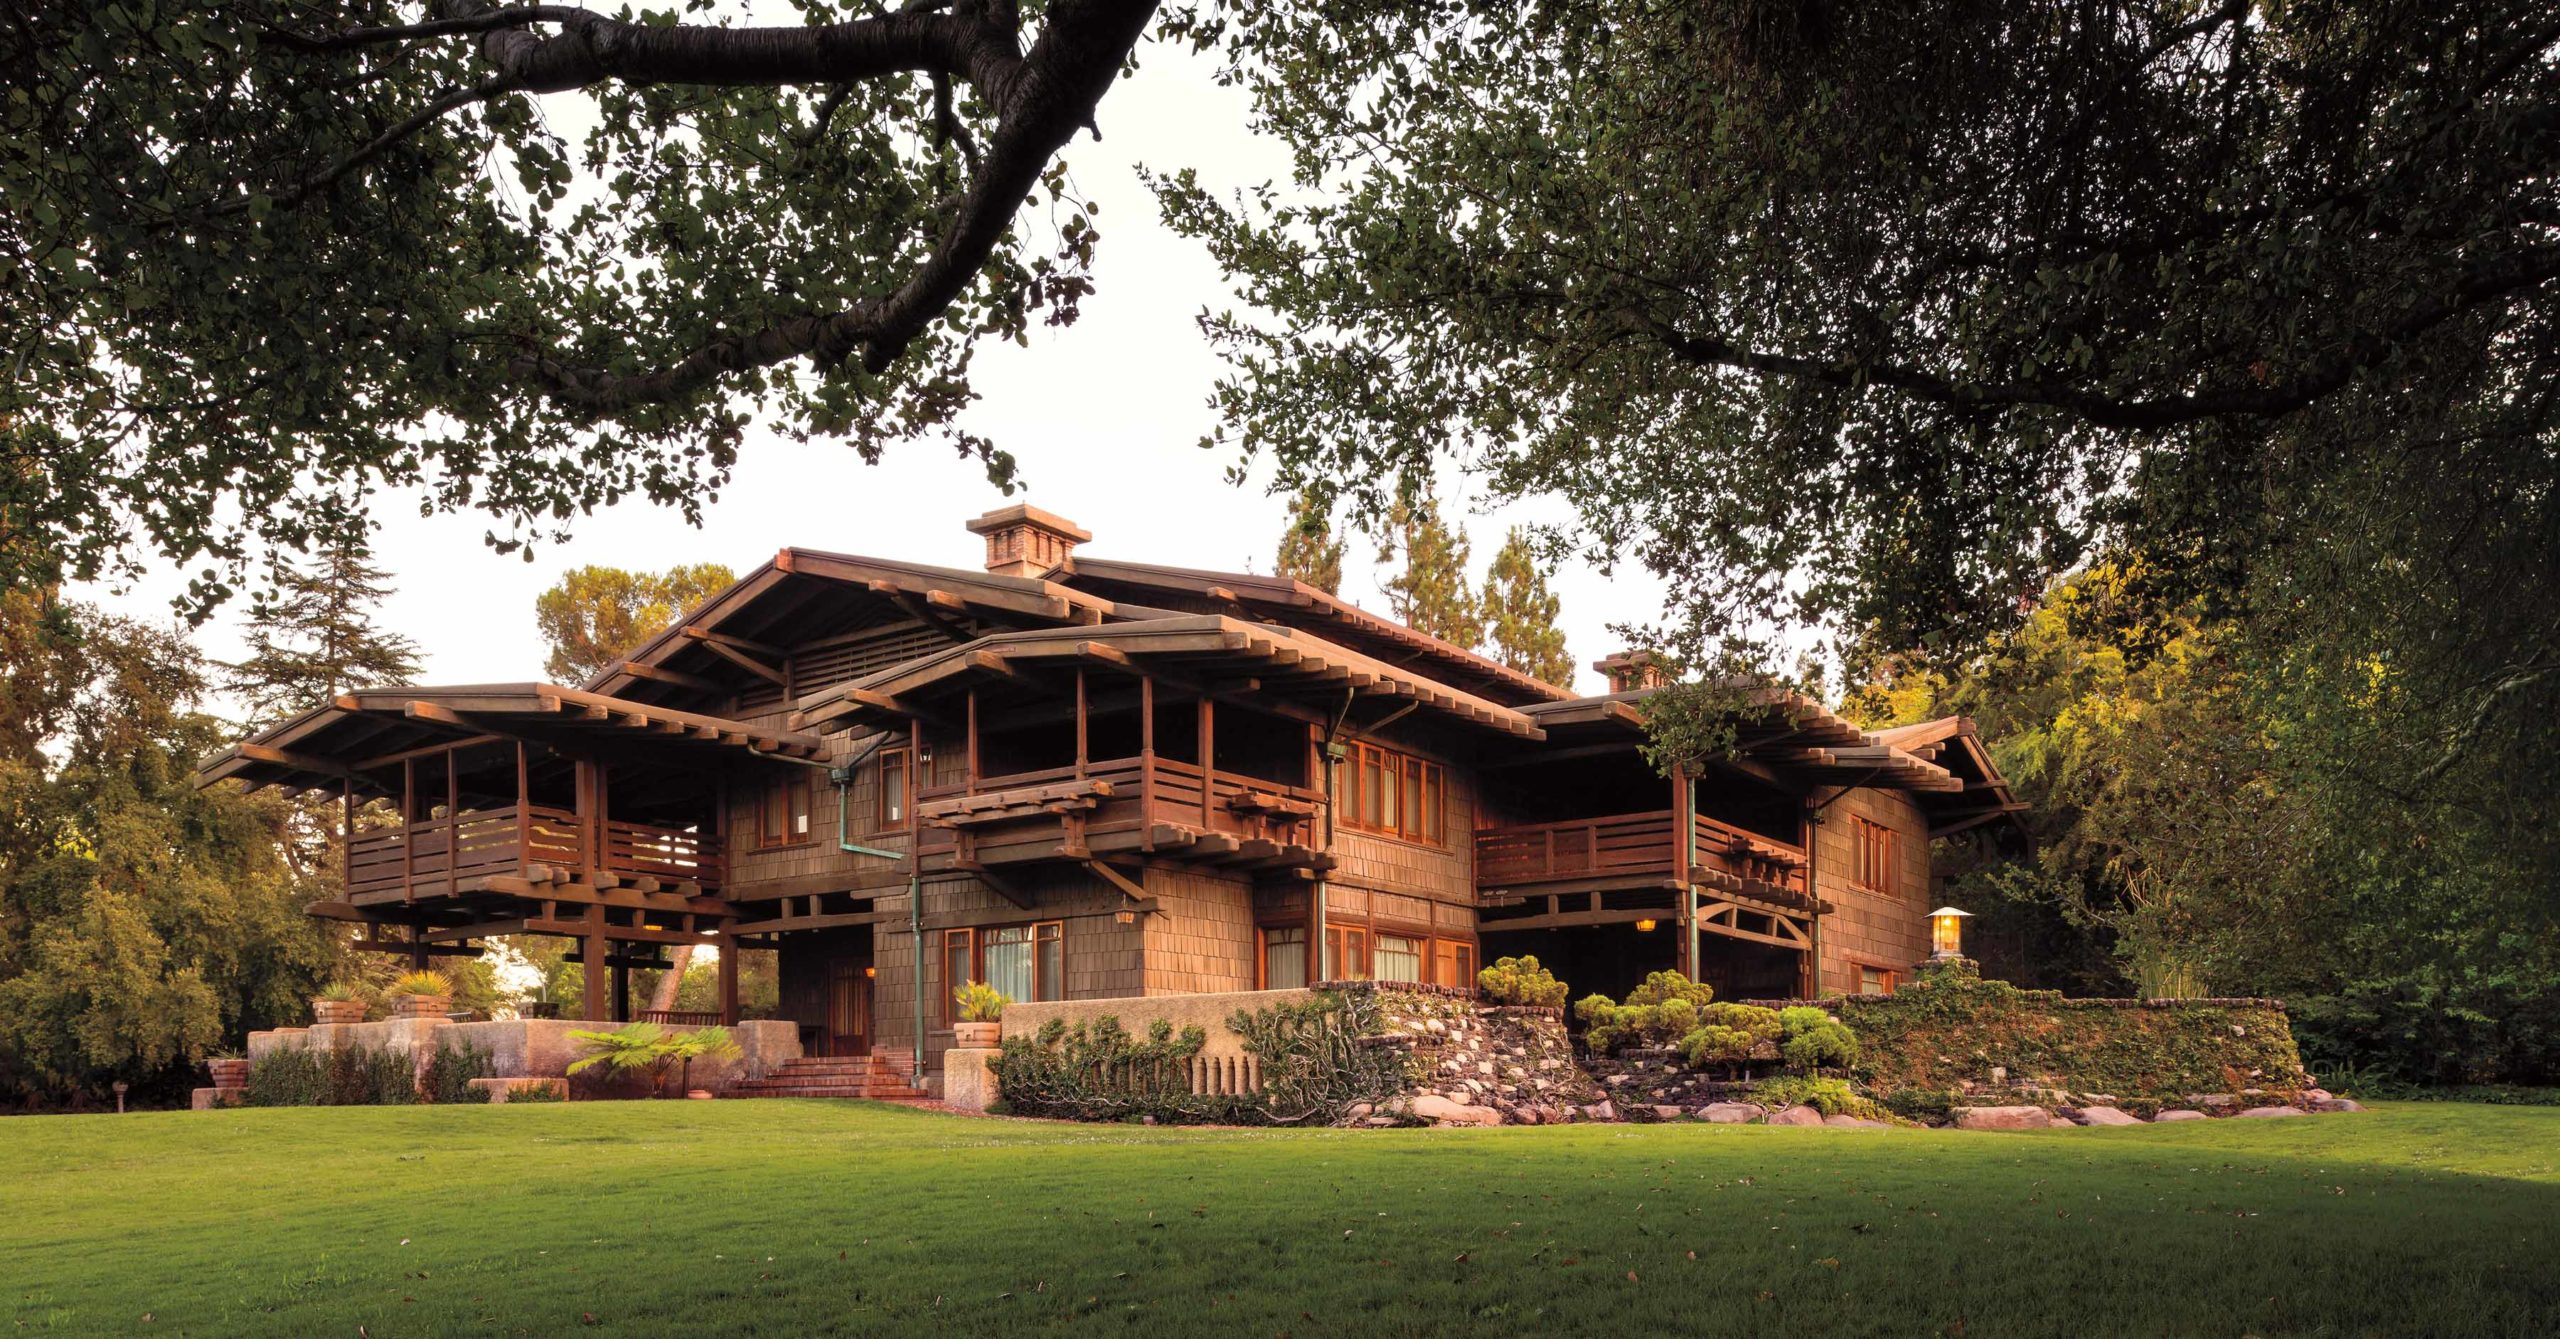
(449, 856)
(1145, 805)
(1632, 849)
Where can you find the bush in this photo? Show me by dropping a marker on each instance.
(1521, 981)
(1661, 1012)
(2426, 1030)
(1815, 1041)
(349, 1076)
(449, 1072)
(1831, 1097)
(1318, 1058)
(1731, 1036)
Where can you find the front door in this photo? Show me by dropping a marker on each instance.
(849, 1012)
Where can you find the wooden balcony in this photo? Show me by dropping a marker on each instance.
(532, 843)
(1637, 850)
(1144, 805)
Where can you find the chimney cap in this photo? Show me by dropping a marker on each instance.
(1024, 514)
(1631, 671)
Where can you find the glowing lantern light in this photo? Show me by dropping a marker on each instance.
(1645, 926)
(1946, 932)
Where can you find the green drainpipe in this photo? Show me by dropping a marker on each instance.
(843, 777)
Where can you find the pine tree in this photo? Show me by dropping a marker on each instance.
(594, 616)
(314, 636)
(1431, 594)
(1308, 550)
(1520, 614)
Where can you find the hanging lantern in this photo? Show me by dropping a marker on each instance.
(1946, 932)
(1645, 926)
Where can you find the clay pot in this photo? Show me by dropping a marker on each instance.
(698, 1094)
(229, 1073)
(337, 1011)
(422, 1006)
(977, 1036)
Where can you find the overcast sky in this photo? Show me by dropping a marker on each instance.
(1105, 418)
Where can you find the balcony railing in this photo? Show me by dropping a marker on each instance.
(1118, 795)
(437, 855)
(1629, 846)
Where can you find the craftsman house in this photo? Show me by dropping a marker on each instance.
(1075, 777)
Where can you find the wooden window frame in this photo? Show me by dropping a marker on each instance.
(1409, 804)
(1889, 976)
(1342, 942)
(975, 937)
(1262, 951)
(1877, 848)
(1422, 946)
(1454, 958)
(893, 764)
(774, 813)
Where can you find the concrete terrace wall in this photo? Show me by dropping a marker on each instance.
(521, 1048)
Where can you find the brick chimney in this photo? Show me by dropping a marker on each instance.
(1628, 671)
(1024, 541)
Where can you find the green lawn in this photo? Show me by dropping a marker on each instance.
(793, 1218)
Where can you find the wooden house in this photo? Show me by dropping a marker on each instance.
(1081, 778)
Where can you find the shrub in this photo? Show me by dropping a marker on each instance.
(648, 1048)
(980, 1002)
(1661, 1012)
(348, 1076)
(2427, 1029)
(1831, 1097)
(1099, 1071)
(1318, 1058)
(547, 1092)
(1731, 1036)
(1521, 981)
(340, 992)
(1815, 1041)
(422, 983)
(449, 1072)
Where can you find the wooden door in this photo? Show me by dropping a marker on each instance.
(849, 1012)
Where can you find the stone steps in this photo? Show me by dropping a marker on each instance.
(860, 1076)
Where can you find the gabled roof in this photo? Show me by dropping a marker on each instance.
(1281, 666)
(362, 736)
(809, 593)
(1956, 743)
(1300, 605)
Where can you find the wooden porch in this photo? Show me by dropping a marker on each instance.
(526, 844)
(1142, 806)
(1633, 850)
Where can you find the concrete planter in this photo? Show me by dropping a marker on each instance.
(337, 1011)
(229, 1075)
(421, 1006)
(977, 1036)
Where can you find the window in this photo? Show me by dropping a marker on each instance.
(1023, 962)
(785, 817)
(1284, 957)
(893, 789)
(1872, 864)
(1346, 953)
(1453, 963)
(1390, 793)
(1397, 958)
(1874, 980)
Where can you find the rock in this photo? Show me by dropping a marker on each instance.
(1619, 1080)
(2107, 1116)
(2328, 1104)
(1845, 1121)
(2217, 1100)
(2003, 1118)
(1357, 1109)
(2270, 1112)
(1731, 1113)
(2312, 1096)
(1797, 1116)
(1601, 1110)
(2180, 1114)
(1445, 1111)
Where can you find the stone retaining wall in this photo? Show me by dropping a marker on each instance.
(1486, 1064)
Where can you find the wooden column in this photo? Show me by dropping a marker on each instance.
(1208, 761)
(971, 758)
(408, 829)
(347, 840)
(1080, 724)
(592, 955)
(1684, 839)
(524, 812)
(1146, 762)
(417, 948)
(728, 979)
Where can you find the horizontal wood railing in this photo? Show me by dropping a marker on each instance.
(1626, 845)
(434, 856)
(1161, 790)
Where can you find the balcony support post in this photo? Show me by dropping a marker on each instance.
(524, 814)
(1683, 863)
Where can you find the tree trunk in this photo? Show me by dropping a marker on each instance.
(664, 997)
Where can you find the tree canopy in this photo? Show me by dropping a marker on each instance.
(314, 636)
(258, 255)
(593, 615)
(1309, 550)
(1520, 613)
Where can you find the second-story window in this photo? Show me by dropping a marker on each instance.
(892, 811)
(1872, 863)
(1392, 794)
(786, 812)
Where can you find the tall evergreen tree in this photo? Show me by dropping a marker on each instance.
(1520, 614)
(593, 616)
(314, 636)
(1308, 550)
(1431, 594)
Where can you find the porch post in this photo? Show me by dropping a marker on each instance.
(1146, 762)
(347, 841)
(728, 945)
(524, 813)
(592, 969)
(1208, 763)
(1080, 724)
(1683, 866)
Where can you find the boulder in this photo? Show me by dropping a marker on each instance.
(2107, 1116)
(1796, 1116)
(1442, 1111)
(2271, 1112)
(1732, 1113)
(1845, 1121)
(2327, 1104)
(1662, 1111)
(2003, 1118)
(2181, 1114)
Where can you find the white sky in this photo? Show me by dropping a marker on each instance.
(1104, 416)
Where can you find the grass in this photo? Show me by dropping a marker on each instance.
(793, 1218)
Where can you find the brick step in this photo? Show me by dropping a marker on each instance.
(881, 1094)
